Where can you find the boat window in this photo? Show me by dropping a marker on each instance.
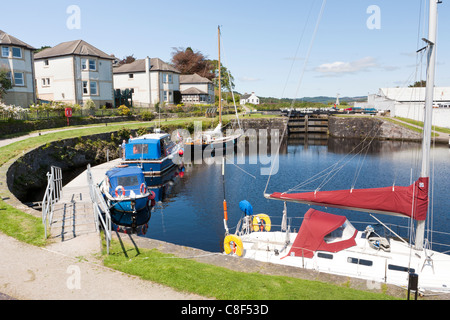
(128, 181)
(363, 262)
(140, 148)
(324, 255)
(400, 268)
(344, 232)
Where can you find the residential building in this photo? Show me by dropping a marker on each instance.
(16, 57)
(196, 89)
(74, 72)
(150, 80)
(249, 98)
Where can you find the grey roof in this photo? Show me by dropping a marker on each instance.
(246, 96)
(10, 40)
(193, 90)
(156, 64)
(193, 78)
(76, 47)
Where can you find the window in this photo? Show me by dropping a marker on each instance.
(93, 87)
(89, 64)
(140, 148)
(128, 181)
(362, 262)
(45, 82)
(17, 52)
(131, 76)
(84, 64)
(170, 78)
(46, 63)
(324, 255)
(166, 96)
(92, 65)
(400, 268)
(18, 79)
(85, 88)
(5, 52)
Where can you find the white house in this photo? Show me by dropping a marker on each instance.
(74, 72)
(249, 98)
(150, 80)
(16, 57)
(196, 89)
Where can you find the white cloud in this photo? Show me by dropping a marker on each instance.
(339, 68)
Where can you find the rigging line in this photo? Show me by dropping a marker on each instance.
(360, 163)
(298, 47)
(330, 169)
(298, 87)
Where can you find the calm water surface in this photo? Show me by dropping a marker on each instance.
(191, 211)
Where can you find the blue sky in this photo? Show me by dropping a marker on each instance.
(264, 42)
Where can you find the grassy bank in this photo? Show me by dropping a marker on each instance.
(224, 284)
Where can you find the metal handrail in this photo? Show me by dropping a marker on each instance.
(51, 196)
(101, 210)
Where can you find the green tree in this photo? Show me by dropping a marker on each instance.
(5, 83)
(226, 79)
(420, 84)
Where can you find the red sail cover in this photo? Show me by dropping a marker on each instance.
(316, 225)
(409, 201)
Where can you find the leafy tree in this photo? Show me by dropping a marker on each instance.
(225, 78)
(127, 59)
(420, 84)
(5, 83)
(188, 61)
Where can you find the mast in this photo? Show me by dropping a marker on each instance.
(220, 83)
(428, 113)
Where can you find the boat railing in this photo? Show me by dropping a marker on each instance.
(101, 210)
(51, 196)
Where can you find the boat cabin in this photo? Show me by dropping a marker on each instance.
(149, 147)
(321, 231)
(126, 181)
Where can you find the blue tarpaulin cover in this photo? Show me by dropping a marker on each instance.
(147, 149)
(246, 207)
(130, 178)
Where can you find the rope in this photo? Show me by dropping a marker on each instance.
(298, 86)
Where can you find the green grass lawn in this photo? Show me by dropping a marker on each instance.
(224, 284)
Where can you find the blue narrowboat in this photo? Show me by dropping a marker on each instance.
(154, 153)
(125, 192)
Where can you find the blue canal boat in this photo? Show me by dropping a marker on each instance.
(154, 153)
(125, 192)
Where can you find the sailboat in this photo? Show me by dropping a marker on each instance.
(330, 243)
(213, 139)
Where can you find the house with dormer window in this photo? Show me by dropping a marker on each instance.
(75, 72)
(16, 58)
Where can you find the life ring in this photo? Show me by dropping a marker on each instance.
(117, 191)
(143, 188)
(261, 221)
(233, 244)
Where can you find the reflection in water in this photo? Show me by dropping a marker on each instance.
(190, 211)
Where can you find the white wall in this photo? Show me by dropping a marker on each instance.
(441, 116)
